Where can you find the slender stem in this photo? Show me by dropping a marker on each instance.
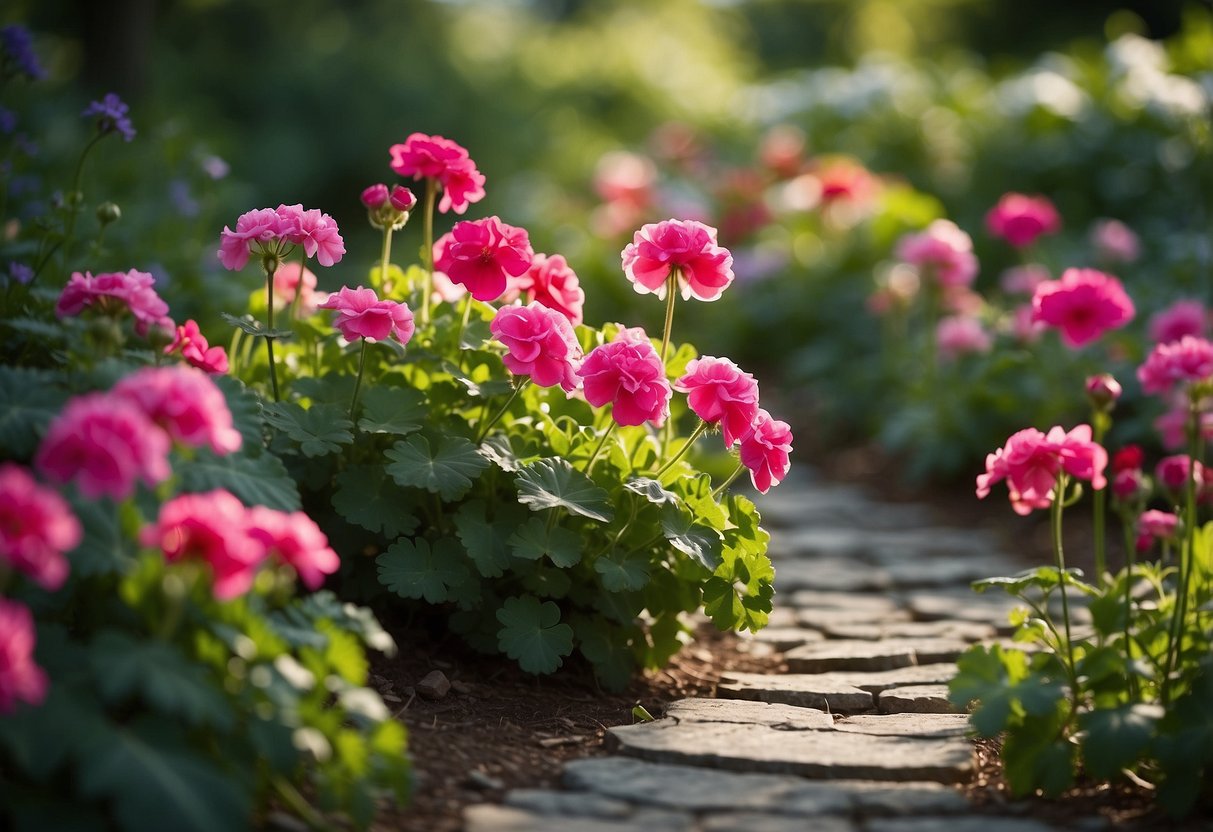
(1099, 422)
(1186, 551)
(1059, 552)
(358, 380)
(463, 322)
(385, 258)
(298, 803)
(736, 473)
(686, 446)
(671, 290)
(1130, 557)
(930, 360)
(269, 340)
(519, 385)
(589, 465)
(76, 197)
(427, 247)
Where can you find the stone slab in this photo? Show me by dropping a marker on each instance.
(784, 638)
(916, 699)
(488, 817)
(568, 804)
(945, 571)
(970, 631)
(816, 754)
(804, 691)
(821, 619)
(771, 715)
(830, 575)
(704, 790)
(835, 505)
(892, 547)
(857, 654)
(762, 822)
(905, 725)
(817, 599)
(962, 605)
(924, 674)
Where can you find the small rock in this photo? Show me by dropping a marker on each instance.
(479, 780)
(461, 688)
(434, 686)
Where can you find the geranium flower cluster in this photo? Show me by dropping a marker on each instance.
(1031, 463)
(196, 350)
(106, 443)
(444, 163)
(483, 255)
(275, 230)
(361, 314)
(388, 208)
(1083, 304)
(1021, 220)
(115, 294)
(943, 253)
(217, 529)
(704, 268)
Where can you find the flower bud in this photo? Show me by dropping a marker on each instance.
(402, 198)
(375, 196)
(108, 212)
(1103, 391)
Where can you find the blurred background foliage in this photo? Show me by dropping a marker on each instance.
(1100, 104)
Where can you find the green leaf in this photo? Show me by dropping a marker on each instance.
(652, 490)
(245, 406)
(554, 483)
(702, 543)
(623, 574)
(641, 714)
(1034, 758)
(485, 540)
(412, 569)
(260, 481)
(739, 594)
(1114, 738)
(321, 429)
(124, 666)
(104, 549)
(532, 635)
(498, 450)
(395, 410)
(366, 496)
(697, 493)
(250, 326)
(447, 469)
(29, 399)
(1004, 687)
(154, 781)
(535, 540)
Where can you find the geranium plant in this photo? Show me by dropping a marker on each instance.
(522, 474)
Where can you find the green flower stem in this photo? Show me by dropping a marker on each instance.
(1187, 550)
(463, 322)
(358, 380)
(1057, 508)
(686, 446)
(519, 385)
(269, 340)
(736, 473)
(384, 258)
(1099, 423)
(589, 464)
(298, 803)
(671, 290)
(73, 212)
(1130, 557)
(427, 248)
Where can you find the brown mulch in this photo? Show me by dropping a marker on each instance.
(499, 728)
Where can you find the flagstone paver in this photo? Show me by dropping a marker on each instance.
(872, 610)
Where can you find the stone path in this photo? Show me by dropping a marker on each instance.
(873, 607)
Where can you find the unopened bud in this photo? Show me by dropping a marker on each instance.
(375, 196)
(108, 212)
(402, 198)
(1103, 391)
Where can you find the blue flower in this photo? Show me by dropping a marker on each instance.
(18, 49)
(111, 116)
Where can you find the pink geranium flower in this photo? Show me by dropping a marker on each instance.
(212, 527)
(959, 335)
(1184, 317)
(185, 403)
(1172, 472)
(1186, 361)
(1031, 462)
(196, 350)
(115, 293)
(1023, 280)
(297, 541)
(1156, 525)
(628, 374)
(1021, 219)
(104, 444)
(316, 231)
(943, 252)
(483, 255)
(1083, 304)
(1103, 390)
(287, 284)
(36, 528)
(705, 269)
(541, 344)
(766, 451)
(720, 393)
(1115, 242)
(551, 282)
(260, 225)
(21, 680)
(361, 314)
(444, 161)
